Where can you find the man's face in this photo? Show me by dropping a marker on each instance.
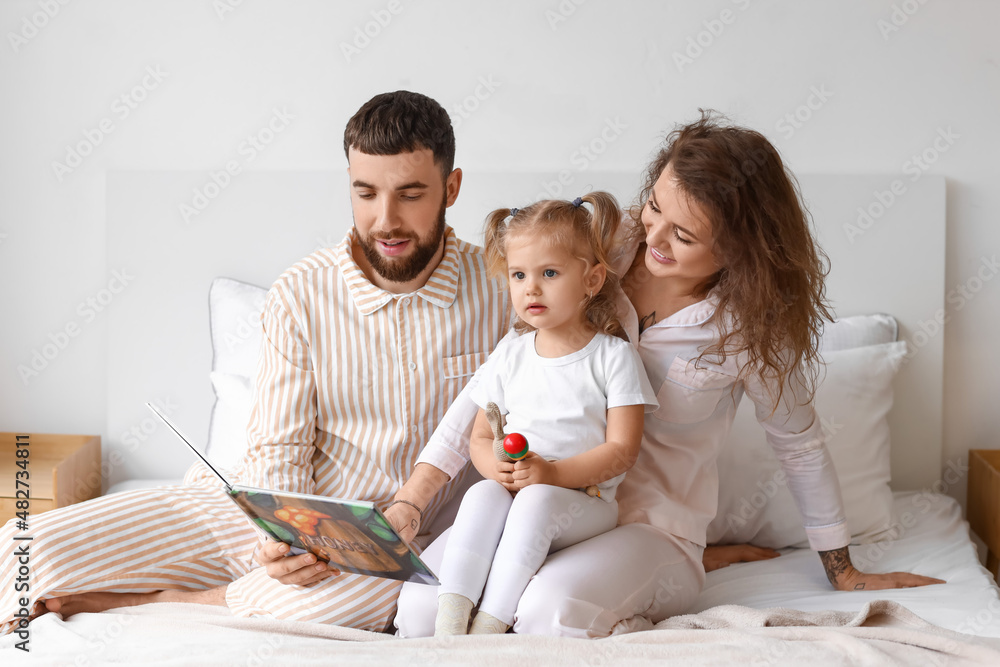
(399, 206)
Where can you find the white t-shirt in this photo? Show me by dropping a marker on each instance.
(560, 405)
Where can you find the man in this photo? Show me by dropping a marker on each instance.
(365, 347)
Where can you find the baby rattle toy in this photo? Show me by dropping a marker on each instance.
(512, 447)
(507, 448)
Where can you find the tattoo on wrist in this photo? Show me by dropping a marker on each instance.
(836, 563)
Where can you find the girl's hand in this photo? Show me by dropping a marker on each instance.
(533, 469)
(504, 474)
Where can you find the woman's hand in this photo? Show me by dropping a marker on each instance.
(717, 557)
(845, 577)
(533, 469)
(300, 570)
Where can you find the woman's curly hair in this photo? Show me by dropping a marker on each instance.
(770, 290)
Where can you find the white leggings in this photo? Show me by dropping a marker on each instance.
(499, 541)
(625, 578)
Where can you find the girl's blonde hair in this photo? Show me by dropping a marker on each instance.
(589, 235)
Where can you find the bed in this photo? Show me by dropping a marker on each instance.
(884, 379)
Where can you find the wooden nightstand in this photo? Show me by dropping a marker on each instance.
(983, 501)
(64, 469)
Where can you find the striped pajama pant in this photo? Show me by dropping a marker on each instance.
(190, 537)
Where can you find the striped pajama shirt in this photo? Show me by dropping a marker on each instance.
(351, 382)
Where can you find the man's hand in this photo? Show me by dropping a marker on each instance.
(405, 519)
(717, 557)
(299, 570)
(845, 577)
(533, 469)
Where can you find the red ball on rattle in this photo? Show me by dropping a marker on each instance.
(516, 446)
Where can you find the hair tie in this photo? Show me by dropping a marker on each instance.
(514, 211)
(578, 201)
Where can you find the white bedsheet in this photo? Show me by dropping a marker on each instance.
(933, 540)
(717, 631)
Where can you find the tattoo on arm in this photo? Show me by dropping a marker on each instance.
(647, 321)
(836, 563)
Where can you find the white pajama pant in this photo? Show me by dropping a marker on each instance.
(499, 541)
(625, 578)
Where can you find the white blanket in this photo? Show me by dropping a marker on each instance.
(881, 633)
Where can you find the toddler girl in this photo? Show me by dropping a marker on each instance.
(571, 385)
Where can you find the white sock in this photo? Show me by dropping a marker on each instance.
(484, 624)
(452, 615)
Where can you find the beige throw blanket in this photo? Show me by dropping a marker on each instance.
(881, 633)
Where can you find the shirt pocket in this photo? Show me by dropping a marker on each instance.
(689, 394)
(463, 365)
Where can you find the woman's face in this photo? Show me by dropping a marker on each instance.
(678, 234)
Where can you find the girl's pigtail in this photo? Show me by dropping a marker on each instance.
(494, 241)
(605, 221)
(603, 230)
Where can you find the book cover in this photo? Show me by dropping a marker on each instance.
(352, 536)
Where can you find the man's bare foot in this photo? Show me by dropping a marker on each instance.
(97, 602)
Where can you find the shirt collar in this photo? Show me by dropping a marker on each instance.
(441, 289)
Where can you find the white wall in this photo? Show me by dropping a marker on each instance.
(550, 76)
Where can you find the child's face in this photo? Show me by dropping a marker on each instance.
(548, 284)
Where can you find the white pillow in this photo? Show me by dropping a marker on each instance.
(234, 316)
(858, 331)
(853, 399)
(227, 434)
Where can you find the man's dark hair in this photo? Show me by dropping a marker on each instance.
(402, 122)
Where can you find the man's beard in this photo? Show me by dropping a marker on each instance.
(405, 269)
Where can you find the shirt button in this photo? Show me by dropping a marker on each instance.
(406, 301)
(413, 428)
(412, 366)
